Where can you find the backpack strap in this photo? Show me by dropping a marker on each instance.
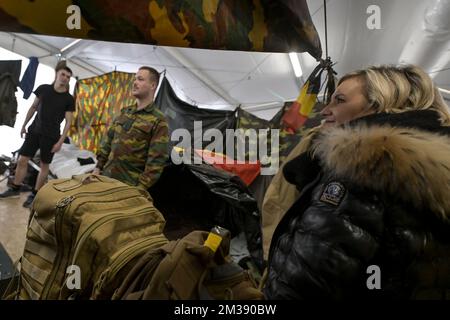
(132, 288)
(185, 264)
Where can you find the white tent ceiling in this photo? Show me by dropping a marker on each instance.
(413, 31)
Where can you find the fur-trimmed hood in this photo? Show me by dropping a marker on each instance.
(405, 159)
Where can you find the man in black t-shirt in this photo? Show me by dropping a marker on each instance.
(53, 104)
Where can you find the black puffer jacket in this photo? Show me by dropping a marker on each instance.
(373, 193)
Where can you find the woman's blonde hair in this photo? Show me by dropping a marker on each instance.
(395, 89)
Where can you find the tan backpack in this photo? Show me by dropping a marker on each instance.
(84, 235)
(196, 267)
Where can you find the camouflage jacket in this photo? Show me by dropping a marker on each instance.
(135, 149)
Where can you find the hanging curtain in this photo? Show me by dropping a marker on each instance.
(98, 101)
(9, 80)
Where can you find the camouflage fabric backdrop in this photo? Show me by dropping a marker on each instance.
(244, 25)
(98, 101)
(288, 139)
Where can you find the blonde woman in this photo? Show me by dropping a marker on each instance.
(373, 216)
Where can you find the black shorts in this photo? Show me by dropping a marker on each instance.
(33, 142)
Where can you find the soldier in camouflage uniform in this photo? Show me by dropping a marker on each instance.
(135, 149)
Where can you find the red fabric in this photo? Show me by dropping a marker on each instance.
(246, 171)
(293, 119)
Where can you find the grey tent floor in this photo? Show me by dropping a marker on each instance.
(13, 224)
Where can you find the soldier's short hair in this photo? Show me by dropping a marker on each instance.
(154, 74)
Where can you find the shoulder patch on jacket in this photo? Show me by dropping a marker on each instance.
(333, 193)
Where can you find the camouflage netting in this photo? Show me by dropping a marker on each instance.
(100, 99)
(244, 25)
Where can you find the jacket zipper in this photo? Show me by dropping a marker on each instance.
(289, 214)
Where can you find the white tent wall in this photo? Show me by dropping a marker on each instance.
(207, 78)
(353, 45)
(10, 139)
